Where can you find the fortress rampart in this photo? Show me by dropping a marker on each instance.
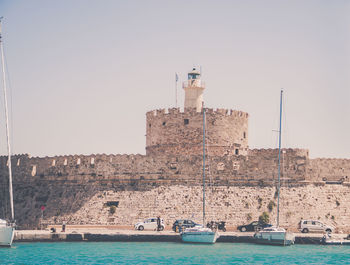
(259, 165)
(171, 132)
(75, 188)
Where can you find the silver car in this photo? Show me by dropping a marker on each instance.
(306, 226)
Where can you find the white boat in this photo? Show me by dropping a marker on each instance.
(7, 229)
(6, 233)
(200, 234)
(336, 242)
(328, 239)
(276, 235)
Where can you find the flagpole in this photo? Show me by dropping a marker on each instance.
(176, 78)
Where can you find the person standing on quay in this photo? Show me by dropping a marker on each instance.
(158, 224)
(64, 226)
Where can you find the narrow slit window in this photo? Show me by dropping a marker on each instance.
(34, 170)
(186, 121)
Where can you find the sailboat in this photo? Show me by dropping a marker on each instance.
(201, 234)
(276, 235)
(7, 228)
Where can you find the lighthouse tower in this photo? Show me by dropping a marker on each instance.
(194, 88)
(173, 132)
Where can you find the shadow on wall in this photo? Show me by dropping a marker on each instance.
(61, 200)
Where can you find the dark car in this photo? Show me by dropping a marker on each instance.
(180, 224)
(253, 226)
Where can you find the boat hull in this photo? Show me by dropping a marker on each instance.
(6, 235)
(199, 237)
(274, 238)
(337, 241)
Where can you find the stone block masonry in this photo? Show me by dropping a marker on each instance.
(329, 170)
(171, 132)
(77, 188)
(258, 165)
(236, 205)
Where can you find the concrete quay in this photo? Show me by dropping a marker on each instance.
(105, 235)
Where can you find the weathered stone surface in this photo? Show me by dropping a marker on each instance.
(171, 186)
(171, 132)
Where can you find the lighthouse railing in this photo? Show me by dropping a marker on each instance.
(193, 83)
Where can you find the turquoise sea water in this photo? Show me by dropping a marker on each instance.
(170, 253)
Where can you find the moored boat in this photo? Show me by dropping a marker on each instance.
(199, 235)
(274, 236)
(6, 233)
(336, 242)
(329, 240)
(7, 229)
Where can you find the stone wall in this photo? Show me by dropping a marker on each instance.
(236, 205)
(326, 169)
(259, 166)
(67, 185)
(171, 132)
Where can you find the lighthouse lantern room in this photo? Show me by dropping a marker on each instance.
(194, 88)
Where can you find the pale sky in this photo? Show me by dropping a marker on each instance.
(83, 73)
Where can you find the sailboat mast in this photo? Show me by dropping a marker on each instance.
(203, 166)
(7, 124)
(279, 162)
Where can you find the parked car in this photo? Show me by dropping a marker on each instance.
(182, 224)
(306, 226)
(149, 224)
(253, 226)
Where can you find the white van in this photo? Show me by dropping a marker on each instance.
(306, 226)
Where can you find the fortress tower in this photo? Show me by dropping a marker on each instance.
(172, 132)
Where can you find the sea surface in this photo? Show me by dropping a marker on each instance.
(170, 253)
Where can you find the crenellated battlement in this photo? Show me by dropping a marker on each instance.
(64, 160)
(258, 164)
(132, 166)
(189, 111)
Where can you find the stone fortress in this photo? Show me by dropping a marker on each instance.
(167, 181)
